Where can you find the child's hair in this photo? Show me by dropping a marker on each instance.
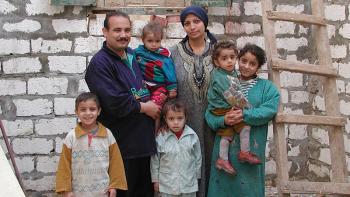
(219, 46)
(152, 27)
(173, 105)
(258, 52)
(83, 97)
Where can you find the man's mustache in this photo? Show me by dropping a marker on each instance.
(123, 39)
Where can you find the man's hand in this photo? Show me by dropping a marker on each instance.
(150, 109)
(156, 186)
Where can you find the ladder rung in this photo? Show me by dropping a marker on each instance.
(294, 66)
(316, 187)
(310, 120)
(298, 18)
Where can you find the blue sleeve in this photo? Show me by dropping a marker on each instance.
(214, 122)
(115, 97)
(170, 74)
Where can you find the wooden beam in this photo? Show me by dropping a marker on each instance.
(310, 120)
(297, 18)
(304, 187)
(295, 66)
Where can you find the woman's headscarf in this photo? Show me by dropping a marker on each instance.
(201, 14)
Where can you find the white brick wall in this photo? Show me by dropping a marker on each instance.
(345, 31)
(299, 97)
(320, 135)
(96, 25)
(59, 144)
(54, 126)
(258, 40)
(291, 44)
(47, 164)
(25, 25)
(325, 155)
(344, 107)
(18, 127)
(83, 86)
(338, 51)
(43, 85)
(284, 96)
(291, 79)
(25, 164)
(6, 7)
(67, 64)
(294, 151)
(289, 8)
(319, 103)
(12, 87)
(216, 28)
(340, 86)
(331, 31)
(14, 46)
(175, 30)
(335, 12)
(252, 8)
(45, 183)
(22, 65)
(282, 27)
(35, 107)
(64, 106)
(32, 146)
(320, 171)
(137, 26)
(297, 132)
(51, 46)
(71, 26)
(36, 7)
(88, 45)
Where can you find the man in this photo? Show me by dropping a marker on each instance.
(113, 74)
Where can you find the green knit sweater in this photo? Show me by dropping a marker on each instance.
(250, 179)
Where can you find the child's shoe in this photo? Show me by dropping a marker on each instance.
(248, 157)
(226, 166)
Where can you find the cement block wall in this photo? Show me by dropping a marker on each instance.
(45, 49)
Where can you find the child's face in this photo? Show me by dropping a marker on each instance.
(152, 42)
(226, 59)
(248, 66)
(175, 120)
(87, 111)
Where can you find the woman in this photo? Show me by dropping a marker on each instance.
(192, 58)
(264, 97)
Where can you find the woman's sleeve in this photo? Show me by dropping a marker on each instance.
(214, 122)
(262, 114)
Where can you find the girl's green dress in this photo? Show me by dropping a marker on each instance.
(250, 179)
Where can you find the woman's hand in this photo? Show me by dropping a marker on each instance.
(156, 186)
(234, 116)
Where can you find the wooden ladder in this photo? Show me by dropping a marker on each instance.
(332, 119)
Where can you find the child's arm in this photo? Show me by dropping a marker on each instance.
(64, 171)
(155, 168)
(117, 179)
(170, 77)
(198, 157)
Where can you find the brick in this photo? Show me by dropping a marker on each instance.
(299, 97)
(47, 164)
(320, 135)
(45, 183)
(168, 43)
(284, 96)
(319, 103)
(32, 146)
(14, 46)
(77, 10)
(289, 8)
(297, 132)
(303, 30)
(346, 144)
(33, 107)
(335, 12)
(270, 167)
(67, 64)
(291, 44)
(135, 42)
(344, 107)
(244, 28)
(88, 45)
(96, 25)
(347, 89)
(70, 26)
(338, 51)
(59, 144)
(294, 151)
(289, 79)
(325, 155)
(25, 25)
(25, 164)
(258, 40)
(43, 85)
(175, 30)
(64, 106)
(282, 27)
(18, 127)
(22, 65)
(12, 87)
(252, 8)
(319, 170)
(137, 27)
(36, 7)
(331, 31)
(6, 7)
(225, 11)
(216, 28)
(51, 46)
(340, 86)
(83, 86)
(344, 70)
(345, 30)
(55, 126)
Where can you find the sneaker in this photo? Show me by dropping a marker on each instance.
(248, 157)
(226, 166)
